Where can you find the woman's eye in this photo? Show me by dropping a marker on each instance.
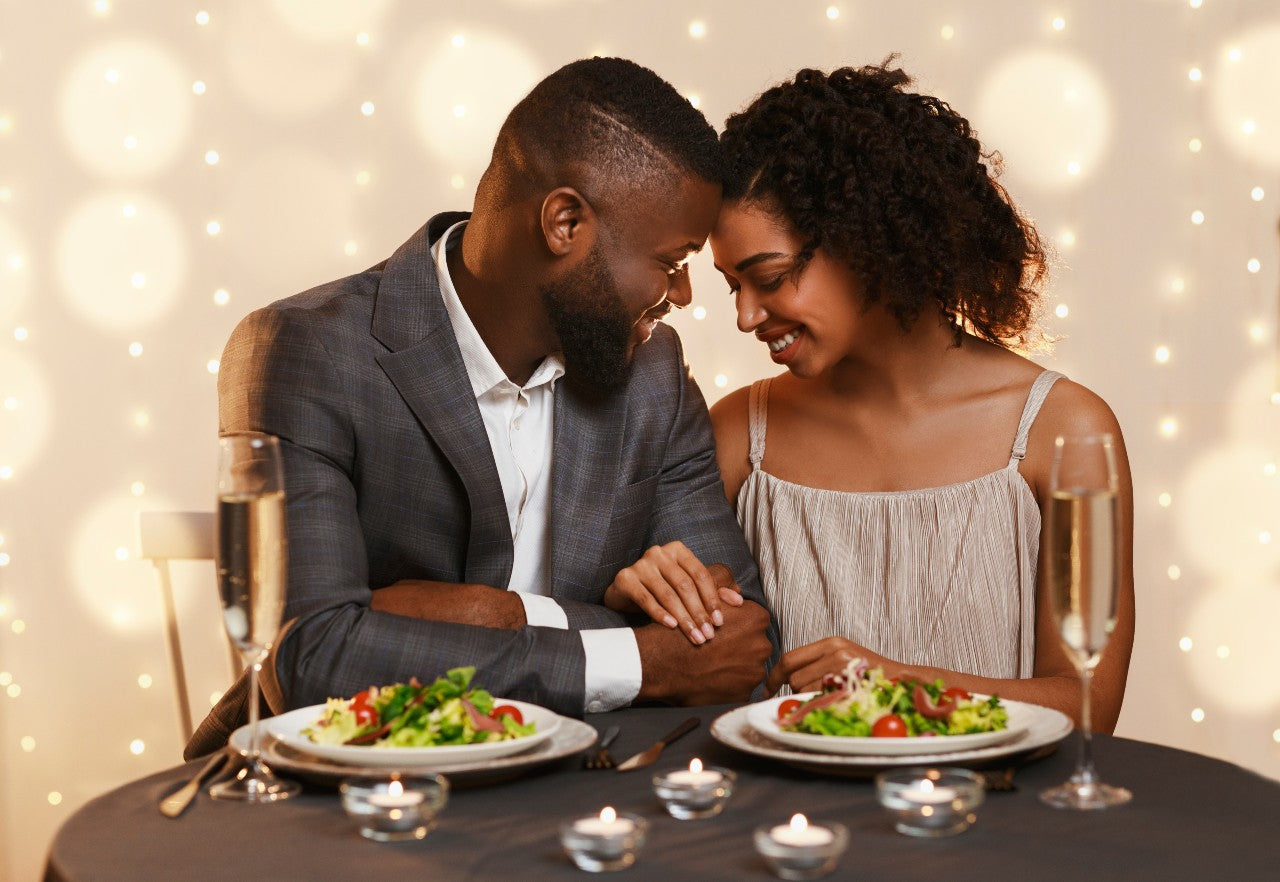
(773, 284)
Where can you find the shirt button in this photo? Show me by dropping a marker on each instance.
(594, 707)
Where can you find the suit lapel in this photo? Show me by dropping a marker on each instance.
(426, 367)
(588, 445)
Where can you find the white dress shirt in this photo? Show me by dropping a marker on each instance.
(519, 421)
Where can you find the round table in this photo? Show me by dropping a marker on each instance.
(1191, 817)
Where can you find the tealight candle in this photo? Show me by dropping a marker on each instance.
(930, 802)
(695, 792)
(696, 775)
(396, 809)
(606, 842)
(801, 833)
(395, 797)
(608, 824)
(800, 850)
(928, 793)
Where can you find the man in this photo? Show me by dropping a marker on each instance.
(497, 407)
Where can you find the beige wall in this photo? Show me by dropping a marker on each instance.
(111, 321)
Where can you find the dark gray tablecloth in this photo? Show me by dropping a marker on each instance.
(1191, 817)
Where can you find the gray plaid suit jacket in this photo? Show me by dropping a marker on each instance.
(389, 476)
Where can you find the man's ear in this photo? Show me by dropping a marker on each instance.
(568, 222)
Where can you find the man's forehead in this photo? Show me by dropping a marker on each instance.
(675, 221)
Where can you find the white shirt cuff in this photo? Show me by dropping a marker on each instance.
(543, 611)
(613, 668)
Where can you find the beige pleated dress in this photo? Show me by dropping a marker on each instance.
(942, 576)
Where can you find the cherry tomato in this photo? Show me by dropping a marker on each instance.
(891, 726)
(506, 710)
(365, 715)
(957, 693)
(786, 708)
(362, 707)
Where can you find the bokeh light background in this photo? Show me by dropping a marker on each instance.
(167, 166)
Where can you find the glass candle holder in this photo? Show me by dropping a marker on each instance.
(801, 850)
(604, 842)
(930, 802)
(395, 808)
(695, 792)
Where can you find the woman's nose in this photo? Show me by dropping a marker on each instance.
(750, 312)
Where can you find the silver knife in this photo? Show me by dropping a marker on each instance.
(650, 755)
(176, 803)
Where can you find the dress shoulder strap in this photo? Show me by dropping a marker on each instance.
(757, 419)
(1039, 391)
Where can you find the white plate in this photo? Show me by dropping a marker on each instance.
(287, 728)
(570, 738)
(763, 717)
(1045, 728)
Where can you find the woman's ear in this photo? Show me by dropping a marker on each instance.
(568, 222)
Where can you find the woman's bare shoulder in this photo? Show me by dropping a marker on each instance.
(1070, 409)
(1074, 409)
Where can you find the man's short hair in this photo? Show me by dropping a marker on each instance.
(621, 120)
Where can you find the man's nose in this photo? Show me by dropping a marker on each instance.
(680, 290)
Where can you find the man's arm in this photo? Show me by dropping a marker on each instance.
(276, 376)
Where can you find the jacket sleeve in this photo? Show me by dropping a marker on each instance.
(277, 376)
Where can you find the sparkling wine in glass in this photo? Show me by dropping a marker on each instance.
(1083, 556)
(252, 570)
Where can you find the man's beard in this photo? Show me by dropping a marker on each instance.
(591, 321)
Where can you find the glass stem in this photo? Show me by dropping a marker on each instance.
(254, 739)
(1085, 774)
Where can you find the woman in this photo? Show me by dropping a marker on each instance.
(892, 482)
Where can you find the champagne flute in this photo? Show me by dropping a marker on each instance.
(1083, 556)
(252, 569)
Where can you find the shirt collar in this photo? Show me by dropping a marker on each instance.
(482, 368)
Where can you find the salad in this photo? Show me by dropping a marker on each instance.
(449, 711)
(862, 702)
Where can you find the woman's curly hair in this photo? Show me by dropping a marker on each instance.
(896, 185)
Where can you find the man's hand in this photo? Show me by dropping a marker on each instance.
(803, 667)
(673, 587)
(464, 604)
(723, 671)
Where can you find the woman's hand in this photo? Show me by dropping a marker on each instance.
(672, 587)
(804, 667)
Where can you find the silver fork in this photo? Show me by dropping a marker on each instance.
(599, 756)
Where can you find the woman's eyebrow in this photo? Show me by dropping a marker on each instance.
(757, 258)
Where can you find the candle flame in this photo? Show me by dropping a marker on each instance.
(608, 815)
(799, 823)
(926, 785)
(395, 788)
(695, 765)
